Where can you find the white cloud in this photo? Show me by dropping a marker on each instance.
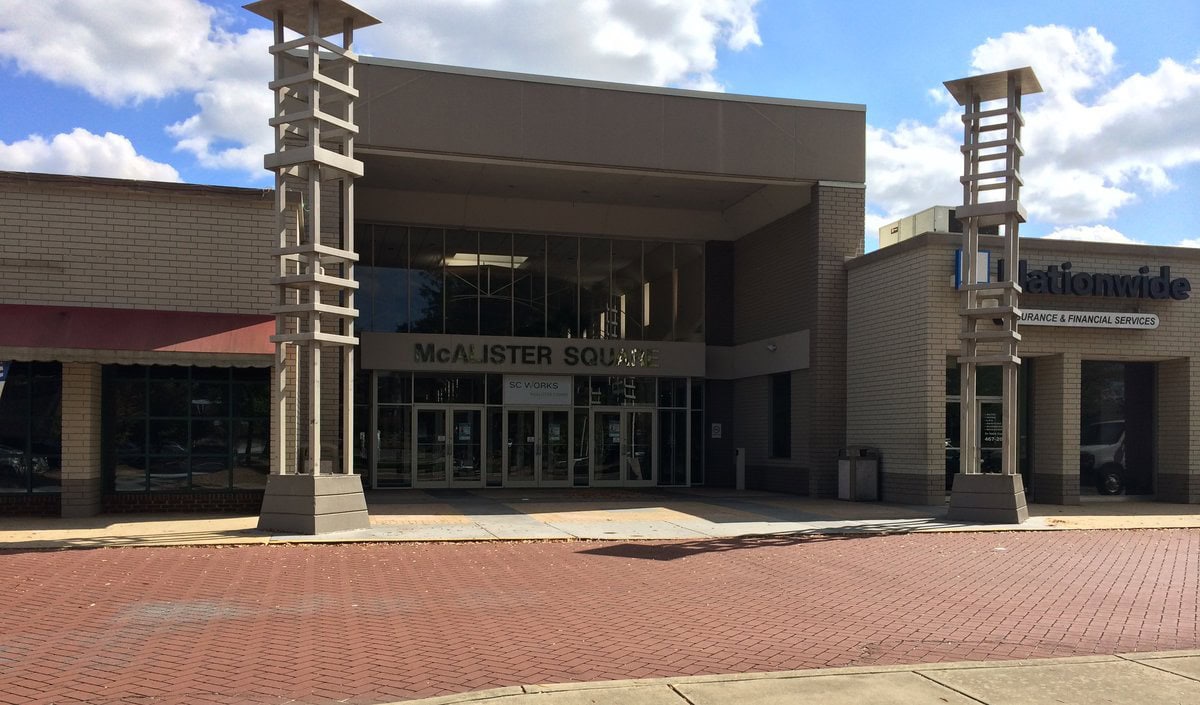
(119, 51)
(1191, 242)
(667, 42)
(82, 153)
(1095, 141)
(230, 130)
(124, 52)
(1093, 233)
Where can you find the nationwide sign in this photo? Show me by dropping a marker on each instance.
(1064, 280)
(1089, 319)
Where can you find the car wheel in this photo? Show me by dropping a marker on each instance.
(1110, 480)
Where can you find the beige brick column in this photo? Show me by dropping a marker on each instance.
(1177, 424)
(1054, 429)
(81, 482)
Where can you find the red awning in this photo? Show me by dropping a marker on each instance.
(25, 326)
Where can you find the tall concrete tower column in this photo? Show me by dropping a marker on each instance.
(991, 182)
(314, 311)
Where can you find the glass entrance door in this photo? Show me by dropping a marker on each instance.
(625, 443)
(537, 447)
(555, 432)
(466, 447)
(431, 465)
(991, 435)
(449, 447)
(520, 455)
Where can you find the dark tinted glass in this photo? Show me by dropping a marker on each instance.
(627, 291)
(426, 287)
(689, 317)
(462, 282)
(594, 287)
(529, 285)
(495, 283)
(562, 295)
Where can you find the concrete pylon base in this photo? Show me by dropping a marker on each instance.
(990, 499)
(314, 504)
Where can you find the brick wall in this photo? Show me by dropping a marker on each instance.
(790, 276)
(128, 244)
(39, 504)
(1175, 427)
(896, 383)
(1054, 452)
(81, 439)
(245, 501)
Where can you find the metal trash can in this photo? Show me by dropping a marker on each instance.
(858, 474)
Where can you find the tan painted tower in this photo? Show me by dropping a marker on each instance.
(314, 168)
(991, 182)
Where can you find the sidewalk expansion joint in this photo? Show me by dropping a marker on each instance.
(948, 687)
(1149, 664)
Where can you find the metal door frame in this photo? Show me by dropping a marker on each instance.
(623, 413)
(482, 430)
(448, 433)
(539, 445)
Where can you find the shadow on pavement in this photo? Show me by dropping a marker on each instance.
(683, 549)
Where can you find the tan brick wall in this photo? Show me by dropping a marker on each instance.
(904, 323)
(896, 381)
(790, 276)
(1177, 430)
(1054, 442)
(125, 244)
(81, 437)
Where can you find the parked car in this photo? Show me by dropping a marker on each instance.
(1102, 456)
(12, 462)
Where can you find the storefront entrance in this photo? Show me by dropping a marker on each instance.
(449, 447)
(438, 447)
(435, 431)
(1116, 428)
(625, 445)
(537, 449)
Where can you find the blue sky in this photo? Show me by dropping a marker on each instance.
(175, 89)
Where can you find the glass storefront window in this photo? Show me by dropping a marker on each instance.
(567, 439)
(462, 282)
(689, 293)
(595, 315)
(448, 389)
(383, 277)
(1116, 428)
(624, 391)
(529, 285)
(433, 280)
(672, 392)
(31, 428)
(562, 294)
(394, 449)
(186, 428)
(990, 409)
(628, 290)
(426, 289)
(672, 446)
(659, 297)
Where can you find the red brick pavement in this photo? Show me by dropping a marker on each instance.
(372, 623)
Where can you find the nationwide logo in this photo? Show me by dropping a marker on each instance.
(1062, 279)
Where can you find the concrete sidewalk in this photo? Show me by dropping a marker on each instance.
(652, 514)
(1135, 679)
